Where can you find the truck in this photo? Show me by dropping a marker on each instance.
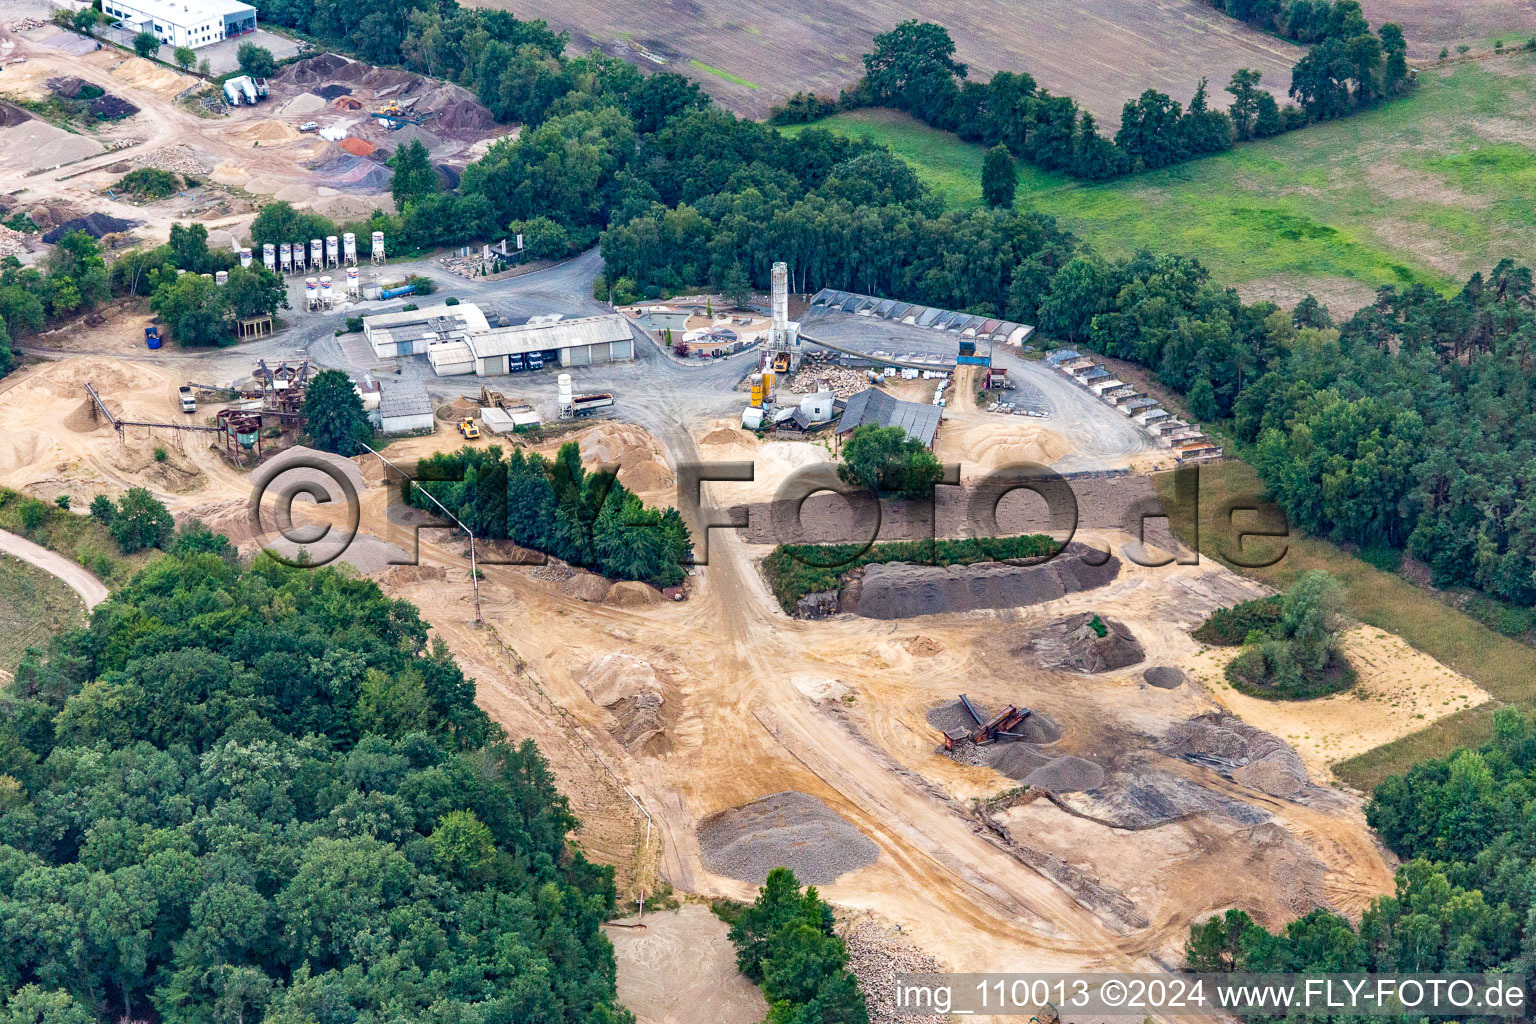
(515, 363)
(188, 399)
(586, 405)
(151, 337)
(535, 360)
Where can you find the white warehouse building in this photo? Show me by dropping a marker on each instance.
(459, 339)
(190, 23)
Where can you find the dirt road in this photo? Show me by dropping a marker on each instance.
(91, 590)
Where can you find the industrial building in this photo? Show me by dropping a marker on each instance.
(921, 422)
(460, 339)
(964, 325)
(190, 23)
(404, 408)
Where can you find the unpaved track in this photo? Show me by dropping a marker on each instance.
(91, 590)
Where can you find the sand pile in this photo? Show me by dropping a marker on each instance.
(32, 145)
(302, 105)
(789, 829)
(924, 647)
(86, 418)
(357, 147)
(628, 688)
(1164, 677)
(267, 132)
(586, 586)
(20, 448)
(145, 74)
(641, 466)
(898, 590)
(1249, 756)
(726, 435)
(990, 445)
(632, 594)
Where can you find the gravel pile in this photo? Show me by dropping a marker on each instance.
(555, 572)
(95, 225)
(1164, 677)
(1247, 755)
(788, 829)
(1066, 775)
(876, 955)
(1015, 760)
(841, 381)
(898, 590)
(951, 716)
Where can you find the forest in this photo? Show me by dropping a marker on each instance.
(260, 793)
(1464, 893)
(556, 506)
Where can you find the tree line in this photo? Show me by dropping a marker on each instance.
(261, 793)
(913, 68)
(556, 506)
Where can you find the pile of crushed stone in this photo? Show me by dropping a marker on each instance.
(788, 829)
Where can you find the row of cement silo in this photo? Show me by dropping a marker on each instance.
(330, 251)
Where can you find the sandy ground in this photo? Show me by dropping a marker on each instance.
(90, 589)
(1400, 690)
(681, 969)
(754, 703)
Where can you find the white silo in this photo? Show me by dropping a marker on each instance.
(349, 247)
(269, 256)
(567, 401)
(378, 247)
(352, 285)
(316, 253)
(332, 251)
(287, 253)
(780, 297)
(245, 257)
(222, 277)
(311, 293)
(325, 291)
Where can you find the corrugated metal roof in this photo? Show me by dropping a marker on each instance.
(899, 310)
(872, 405)
(587, 330)
(404, 398)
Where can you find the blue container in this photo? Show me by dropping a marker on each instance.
(152, 337)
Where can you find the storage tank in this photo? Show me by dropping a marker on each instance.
(332, 250)
(245, 257)
(325, 291)
(287, 254)
(378, 247)
(311, 292)
(349, 247)
(352, 287)
(780, 297)
(222, 277)
(316, 252)
(269, 256)
(767, 386)
(563, 387)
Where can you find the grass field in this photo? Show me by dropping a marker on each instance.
(1430, 188)
(724, 74)
(1504, 667)
(33, 607)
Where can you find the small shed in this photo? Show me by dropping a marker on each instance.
(405, 408)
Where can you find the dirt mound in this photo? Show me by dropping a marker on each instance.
(898, 590)
(301, 105)
(402, 575)
(87, 418)
(726, 435)
(1164, 677)
(1066, 775)
(112, 108)
(12, 115)
(1087, 643)
(313, 69)
(330, 92)
(1237, 750)
(613, 677)
(924, 647)
(641, 466)
(93, 224)
(267, 132)
(71, 87)
(586, 586)
(356, 146)
(630, 594)
(638, 725)
(788, 829)
(22, 448)
(343, 171)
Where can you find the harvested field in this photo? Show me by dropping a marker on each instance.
(1101, 54)
(787, 829)
(901, 590)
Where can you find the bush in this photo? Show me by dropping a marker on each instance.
(423, 285)
(103, 510)
(33, 515)
(1297, 657)
(63, 501)
(141, 522)
(148, 183)
(161, 454)
(1230, 627)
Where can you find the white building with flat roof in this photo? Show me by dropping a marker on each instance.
(190, 23)
(458, 339)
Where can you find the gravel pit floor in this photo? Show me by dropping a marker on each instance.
(789, 829)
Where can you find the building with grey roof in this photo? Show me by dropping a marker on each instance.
(404, 407)
(921, 422)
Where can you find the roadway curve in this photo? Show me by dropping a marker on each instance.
(91, 590)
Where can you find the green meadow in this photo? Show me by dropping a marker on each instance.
(1428, 188)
